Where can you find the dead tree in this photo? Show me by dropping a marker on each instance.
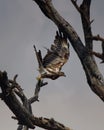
(93, 75)
(22, 108)
(10, 89)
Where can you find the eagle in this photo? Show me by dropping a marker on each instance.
(50, 66)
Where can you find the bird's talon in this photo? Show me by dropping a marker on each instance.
(38, 78)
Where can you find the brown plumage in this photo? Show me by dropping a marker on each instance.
(50, 66)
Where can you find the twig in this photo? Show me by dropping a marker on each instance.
(80, 10)
(39, 84)
(97, 38)
(23, 115)
(14, 84)
(99, 55)
(76, 5)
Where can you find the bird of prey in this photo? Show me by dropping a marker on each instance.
(50, 66)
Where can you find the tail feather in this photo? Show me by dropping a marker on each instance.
(39, 57)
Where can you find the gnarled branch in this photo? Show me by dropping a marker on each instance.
(22, 111)
(94, 77)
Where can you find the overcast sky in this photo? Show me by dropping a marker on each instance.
(68, 100)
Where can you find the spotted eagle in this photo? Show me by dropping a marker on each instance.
(50, 66)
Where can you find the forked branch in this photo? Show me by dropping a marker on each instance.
(22, 111)
(94, 77)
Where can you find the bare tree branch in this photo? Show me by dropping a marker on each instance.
(94, 77)
(76, 5)
(97, 54)
(11, 90)
(86, 23)
(37, 90)
(22, 110)
(84, 11)
(97, 38)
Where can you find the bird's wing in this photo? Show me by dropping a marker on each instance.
(58, 54)
(39, 57)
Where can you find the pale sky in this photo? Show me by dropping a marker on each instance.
(68, 100)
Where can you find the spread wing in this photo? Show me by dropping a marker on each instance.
(58, 54)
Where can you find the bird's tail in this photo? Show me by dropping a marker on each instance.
(39, 57)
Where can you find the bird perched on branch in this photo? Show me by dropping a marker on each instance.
(50, 66)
